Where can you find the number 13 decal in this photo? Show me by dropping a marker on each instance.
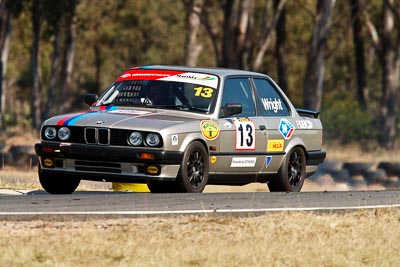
(245, 134)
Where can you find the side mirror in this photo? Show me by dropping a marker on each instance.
(230, 109)
(90, 99)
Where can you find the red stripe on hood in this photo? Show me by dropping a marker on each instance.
(61, 122)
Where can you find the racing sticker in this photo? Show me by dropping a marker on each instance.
(286, 129)
(228, 124)
(209, 129)
(272, 104)
(174, 140)
(275, 145)
(137, 74)
(267, 161)
(196, 78)
(304, 124)
(245, 134)
(170, 75)
(205, 92)
(243, 162)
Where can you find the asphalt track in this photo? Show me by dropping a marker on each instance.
(39, 203)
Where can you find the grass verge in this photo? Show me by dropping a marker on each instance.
(360, 238)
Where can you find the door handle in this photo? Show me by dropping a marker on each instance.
(262, 127)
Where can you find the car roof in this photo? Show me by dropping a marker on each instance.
(223, 72)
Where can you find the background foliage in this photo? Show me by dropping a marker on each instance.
(114, 35)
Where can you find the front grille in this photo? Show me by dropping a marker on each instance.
(90, 135)
(119, 137)
(103, 136)
(99, 136)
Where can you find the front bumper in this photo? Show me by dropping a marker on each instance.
(108, 163)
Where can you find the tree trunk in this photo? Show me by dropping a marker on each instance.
(55, 62)
(98, 61)
(267, 36)
(243, 39)
(312, 89)
(229, 56)
(280, 48)
(362, 89)
(68, 58)
(5, 34)
(36, 92)
(193, 46)
(390, 74)
(213, 38)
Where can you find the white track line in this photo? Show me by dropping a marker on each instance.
(177, 212)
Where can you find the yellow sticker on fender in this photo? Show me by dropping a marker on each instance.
(209, 129)
(275, 145)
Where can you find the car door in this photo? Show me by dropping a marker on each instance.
(278, 121)
(242, 136)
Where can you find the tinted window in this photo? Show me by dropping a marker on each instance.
(237, 90)
(161, 94)
(271, 102)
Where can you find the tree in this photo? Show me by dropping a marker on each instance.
(36, 92)
(313, 80)
(238, 38)
(192, 45)
(53, 14)
(8, 10)
(229, 45)
(5, 33)
(362, 90)
(387, 45)
(280, 47)
(68, 57)
(267, 30)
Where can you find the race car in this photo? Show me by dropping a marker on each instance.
(178, 129)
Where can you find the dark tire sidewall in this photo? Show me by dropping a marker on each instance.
(283, 184)
(183, 179)
(58, 183)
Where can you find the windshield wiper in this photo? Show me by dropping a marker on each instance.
(180, 107)
(134, 103)
(137, 104)
(196, 109)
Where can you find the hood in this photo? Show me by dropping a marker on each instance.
(120, 118)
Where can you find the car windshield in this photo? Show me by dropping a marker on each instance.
(174, 91)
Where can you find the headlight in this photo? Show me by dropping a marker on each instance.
(64, 133)
(135, 139)
(152, 139)
(50, 133)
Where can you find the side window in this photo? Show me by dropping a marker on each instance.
(238, 91)
(271, 102)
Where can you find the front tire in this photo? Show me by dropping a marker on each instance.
(193, 173)
(291, 174)
(58, 183)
